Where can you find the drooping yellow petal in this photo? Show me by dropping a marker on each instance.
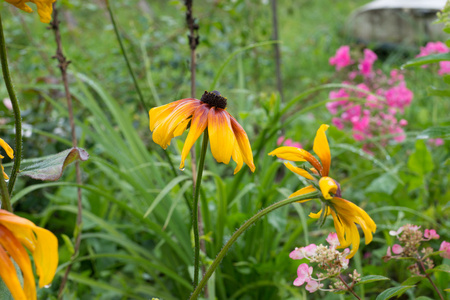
(318, 214)
(9, 276)
(4, 174)
(339, 230)
(322, 149)
(352, 209)
(8, 149)
(198, 124)
(42, 244)
(296, 154)
(44, 8)
(237, 157)
(164, 131)
(160, 113)
(221, 135)
(20, 256)
(243, 143)
(305, 190)
(327, 185)
(299, 171)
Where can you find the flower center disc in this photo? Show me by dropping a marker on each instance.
(214, 99)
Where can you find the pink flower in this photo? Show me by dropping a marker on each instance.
(303, 274)
(288, 142)
(313, 286)
(333, 240)
(399, 97)
(8, 104)
(396, 233)
(436, 142)
(403, 122)
(388, 252)
(397, 249)
(445, 246)
(303, 252)
(280, 140)
(431, 234)
(342, 58)
(444, 67)
(338, 123)
(365, 65)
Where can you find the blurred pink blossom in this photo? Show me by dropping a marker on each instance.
(397, 249)
(436, 142)
(303, 274)
(288, 142)
(342, 58)
(333, 240)
(431, 234)
(445, 246)
(313, 286)
(8, 104)
(435, 48)
(303, 252)
(366, 64)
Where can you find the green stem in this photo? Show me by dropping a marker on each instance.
(198, 183)
(16, 110)
(240, 231)
(125, 56)
(6, 201)
(429, 278)
(350, 289)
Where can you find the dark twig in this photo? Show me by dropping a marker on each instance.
(63, 64)
(276, 47)
(429, 279)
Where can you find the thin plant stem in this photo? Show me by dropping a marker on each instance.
(125, 56)
(63, 63)
(240, 231)
(6, 201)
(349, 288)
(429, 279)
(195, 208)
(276, 47)
(16, 110)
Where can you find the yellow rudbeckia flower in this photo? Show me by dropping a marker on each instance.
(345, 214)
(44, 8)
(16, 235)
(227, 137)
(9, 152)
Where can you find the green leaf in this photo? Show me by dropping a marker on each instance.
(413, 280)
(441, 268)
(421, 161)
(435, 132)
(432, 91)
(371, 278)
(423, 298)
(395, 291)
(424, 60)
(68, 243)
(51, 167)
(386, 183)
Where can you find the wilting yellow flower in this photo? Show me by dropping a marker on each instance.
(9, 152)
(345, 214)
(44, 8)
(227, 137)
(16, 234)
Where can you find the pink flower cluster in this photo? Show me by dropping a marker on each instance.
(329, 260)
(436, 48)
(373, 107)
(281, 141)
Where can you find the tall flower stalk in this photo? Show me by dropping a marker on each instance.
(63, 64)
(16, 110)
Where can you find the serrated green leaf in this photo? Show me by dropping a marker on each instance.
(435, 132)
(413, 280)
(395, 291)
(424, 60)
(420, 161)
(440, 268)
(51, 167)
(371, 278)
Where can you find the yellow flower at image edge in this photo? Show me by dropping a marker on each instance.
(44, 8)
(345, 214)
(227, 137)
(9, 152)
(16, 234)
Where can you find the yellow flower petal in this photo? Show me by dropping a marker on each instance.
(296, 154)
(44, 8)
(299, 171)
(160, 113)
(4, 174)
(42, 244)
(164, 131)
(318, 214)
(221, 135)
(237, 157)
(305, 190)
(9, 276)
(327, 185)
(243, 143)
(8, 149)
(322, 149)
(198, 125)
(20, 256)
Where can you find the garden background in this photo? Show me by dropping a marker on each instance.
(136, 236)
